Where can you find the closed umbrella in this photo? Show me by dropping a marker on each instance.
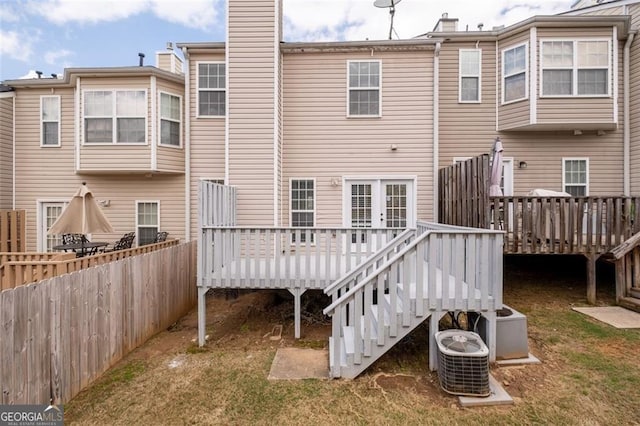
(496, 170)
(83, 215)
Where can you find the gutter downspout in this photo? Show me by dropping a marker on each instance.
(626, 135)
(187, 146)
(436, 127)
(13, 154)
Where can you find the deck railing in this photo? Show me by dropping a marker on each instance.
(284, 257)
(589, 225)
(466, 263)
(627, 260)
(23, 268)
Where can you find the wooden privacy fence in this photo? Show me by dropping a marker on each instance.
(59, 335)
(23, 268)
(12, 230)
(565, 225)
(463, 191)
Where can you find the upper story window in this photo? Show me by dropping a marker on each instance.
(115, 116)
(170, 119)
(575, 68)
(575, 176)
(211, 89)
(514, 74)
(469, 70)
(364, 88)
(50, 121)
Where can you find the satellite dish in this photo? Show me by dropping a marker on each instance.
(391, 5)
(385, 3)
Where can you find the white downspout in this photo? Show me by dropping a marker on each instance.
(13, 154)
(626, 135)
(187, 145)
(436, 127)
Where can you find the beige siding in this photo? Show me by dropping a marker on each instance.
(207, 139)
(252, 70)
(47, 174)
(321, 142)
(514, 114)
(610, 11)
(543, 151)
(170, 159)
(6, 153)
(634, 97)
(466, 129)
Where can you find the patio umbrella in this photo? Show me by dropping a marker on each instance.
(496, 170)
(82, 216)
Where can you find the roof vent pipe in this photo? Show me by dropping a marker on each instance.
(54, 75)
(39, 74)
(480, 25)
(169, 45)
(141, 55)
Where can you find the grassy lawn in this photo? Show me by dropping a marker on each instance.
(589, 372)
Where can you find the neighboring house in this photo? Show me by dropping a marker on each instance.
(328, 133)
(552, 88)
(118, 129)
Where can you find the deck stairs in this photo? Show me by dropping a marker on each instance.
(384, 299)
(626, 258)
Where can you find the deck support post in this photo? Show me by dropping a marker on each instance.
(202, 310)
(591, 278)
(433, 347)
(297, 293)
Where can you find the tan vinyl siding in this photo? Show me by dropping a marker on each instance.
(321, 142)
(170, 159)
(469, 130)
(573, 33)
(252, 70)
(164, 61)
(466, 127)
(207, 139)
(6, 153)
(514, 114)
(634, 108)
(609, 11)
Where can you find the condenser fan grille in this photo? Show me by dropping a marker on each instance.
(463, 363)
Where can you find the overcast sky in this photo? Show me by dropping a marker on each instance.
(50, 35)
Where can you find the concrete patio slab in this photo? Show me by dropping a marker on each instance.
(531, 359)
(299, 363)
(498, 396)
(615, 316)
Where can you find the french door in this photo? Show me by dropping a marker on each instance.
(379, 203)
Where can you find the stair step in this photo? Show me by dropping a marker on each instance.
(634, 292)
(630, 303)
(385, 315)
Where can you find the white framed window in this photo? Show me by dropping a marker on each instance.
(212, 86)
(115, 116)
(303, 205)
(515, 84)
(470, 70)
(147, 221)
(575, 176)
(170, 120)
(575, 68)
(49, 121)
(364, 87)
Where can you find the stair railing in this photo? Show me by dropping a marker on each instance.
(627, 261)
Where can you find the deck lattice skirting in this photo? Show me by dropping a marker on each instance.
(383, 282)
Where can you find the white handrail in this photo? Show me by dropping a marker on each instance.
(374, 274)
(391, 245)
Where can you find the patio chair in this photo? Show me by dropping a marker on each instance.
(123, 243)
(74, 239)
(161, 236)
